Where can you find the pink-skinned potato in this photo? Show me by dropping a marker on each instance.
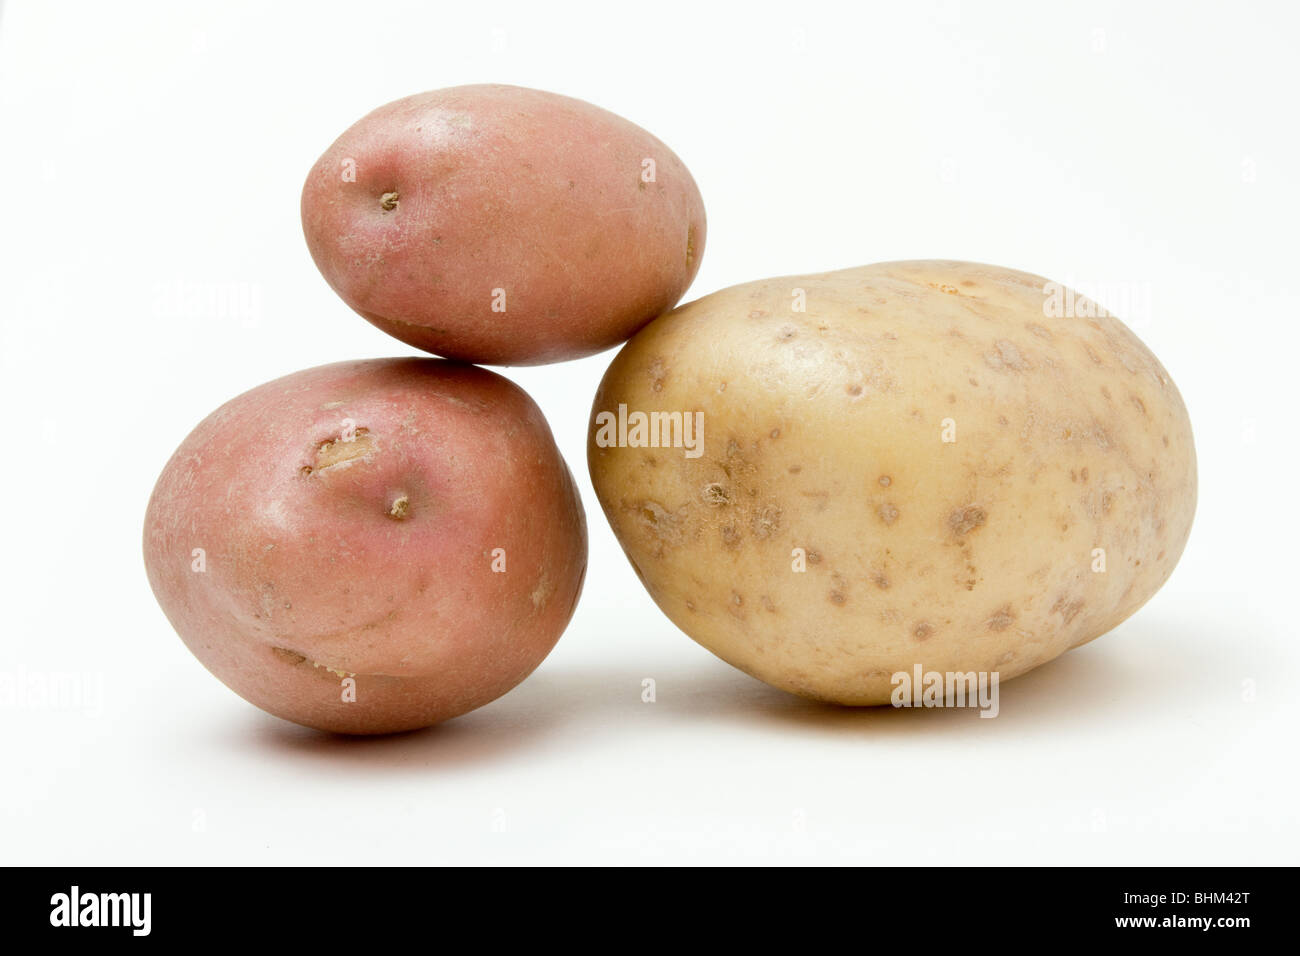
(503, 225)
(370, 546)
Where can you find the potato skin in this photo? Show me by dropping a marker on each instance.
(372, 557)
(503, 188)
(823, 431)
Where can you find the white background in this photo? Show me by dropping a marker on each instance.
(152, 156)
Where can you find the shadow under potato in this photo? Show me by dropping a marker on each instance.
(1119, 677)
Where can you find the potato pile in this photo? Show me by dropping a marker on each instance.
(826, 480)
(370, 547)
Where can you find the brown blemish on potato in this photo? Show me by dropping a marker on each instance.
(767, 604)
(813, 556)
(338, 451)
(965, 520)
(690, 245)
(658, 521)
(715, 495)
(922, 630)
(837, 598)
(1140, 405)
(737, 605)
(388, 201)
(730, 537)
(1042, 331)
(880, 579)
(766, 522)
(1067, 608)
(293, 658)
(758, 314)
(1006, 355)
(853, 390)
(401, 507)
(1001, 619)
(787, 333)
(885, 481)
(888, 513)
(795, 469)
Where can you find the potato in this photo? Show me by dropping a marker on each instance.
(930, 465)
(369, 546)
(503, 225)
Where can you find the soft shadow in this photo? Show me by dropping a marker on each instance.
(1129, 674)
(479, 736)
(1126, 675)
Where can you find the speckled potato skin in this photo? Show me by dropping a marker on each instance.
(823, 431)
(503, 188)
(370, 558)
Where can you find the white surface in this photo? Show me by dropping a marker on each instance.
(1149, 150)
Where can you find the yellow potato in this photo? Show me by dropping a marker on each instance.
(943, 464)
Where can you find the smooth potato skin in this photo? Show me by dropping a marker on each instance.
(307, 562)
(502, 187)
(823, 431)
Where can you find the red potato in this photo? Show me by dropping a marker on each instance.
(503, 225)
(369, 546)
